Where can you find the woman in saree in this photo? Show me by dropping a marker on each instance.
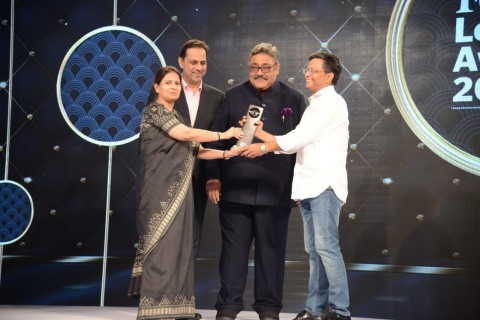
(163, 269)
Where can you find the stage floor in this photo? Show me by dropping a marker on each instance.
(9, 312)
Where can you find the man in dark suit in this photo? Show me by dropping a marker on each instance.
(254, 194)
(198, 103)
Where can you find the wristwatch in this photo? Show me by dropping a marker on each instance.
(263, 148)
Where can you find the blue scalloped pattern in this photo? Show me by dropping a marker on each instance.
(105, 85)
(15, 212)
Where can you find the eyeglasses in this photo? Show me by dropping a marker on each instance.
(265, 68)
(313, 71)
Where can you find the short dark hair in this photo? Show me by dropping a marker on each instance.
(193, 43)
(331, 63)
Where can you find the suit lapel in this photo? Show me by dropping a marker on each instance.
(182, 107)
(203, 105)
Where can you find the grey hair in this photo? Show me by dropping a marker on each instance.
(267, 48)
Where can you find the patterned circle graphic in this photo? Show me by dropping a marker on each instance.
(104, 82)
(16, 211)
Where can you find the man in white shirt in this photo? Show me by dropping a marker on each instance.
(319, 184)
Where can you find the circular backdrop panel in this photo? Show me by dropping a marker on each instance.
(433, 62)
(104, 82)
(16, 211)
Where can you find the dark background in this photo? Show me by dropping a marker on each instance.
(411, 246)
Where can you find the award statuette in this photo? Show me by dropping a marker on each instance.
(254, 114)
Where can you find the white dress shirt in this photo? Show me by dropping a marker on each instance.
(193, 100)
(321, 143)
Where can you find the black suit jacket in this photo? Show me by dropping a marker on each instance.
(210, 100)
(265, 180)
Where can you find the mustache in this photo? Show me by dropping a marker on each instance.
(260, 77)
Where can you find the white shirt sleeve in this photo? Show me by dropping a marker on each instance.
(319, 119)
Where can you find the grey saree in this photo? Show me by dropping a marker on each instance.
(163, 269)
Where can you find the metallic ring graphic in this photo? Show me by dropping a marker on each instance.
(415, 120)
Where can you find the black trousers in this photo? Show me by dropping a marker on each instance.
(242, 224)
(200, 204)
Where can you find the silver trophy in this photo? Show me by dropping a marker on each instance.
(254, 114)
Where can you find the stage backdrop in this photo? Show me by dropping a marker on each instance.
(72, 83)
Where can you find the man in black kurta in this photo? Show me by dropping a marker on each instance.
(254, 193)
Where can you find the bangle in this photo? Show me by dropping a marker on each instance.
(218, 135)
(225, 155)
(263, 148)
